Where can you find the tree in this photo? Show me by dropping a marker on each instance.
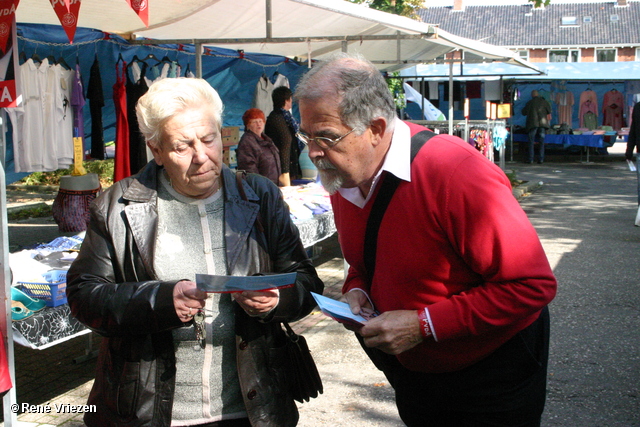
(397, 7)
(409, 7)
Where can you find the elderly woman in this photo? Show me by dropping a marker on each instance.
(256, 152)
(133, 281)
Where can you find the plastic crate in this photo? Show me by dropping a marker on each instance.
(52, 289)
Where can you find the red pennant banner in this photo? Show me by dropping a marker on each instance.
(141, 8)
(67, 11)
(7, 12)
(8, 96)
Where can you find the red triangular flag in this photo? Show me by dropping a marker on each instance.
(7, 12)
(68, 16)
(141, 8)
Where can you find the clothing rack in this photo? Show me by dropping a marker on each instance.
(464, 128)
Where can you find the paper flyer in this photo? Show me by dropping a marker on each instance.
(222, 284)
(339, 311)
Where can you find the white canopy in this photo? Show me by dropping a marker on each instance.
(293, 28)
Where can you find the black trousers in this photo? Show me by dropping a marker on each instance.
(507, 388)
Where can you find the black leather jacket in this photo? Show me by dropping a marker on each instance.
(112, 288)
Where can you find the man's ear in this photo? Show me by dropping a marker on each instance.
(378, 127)
(156, 153)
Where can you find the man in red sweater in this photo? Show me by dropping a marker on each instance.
(461, 280)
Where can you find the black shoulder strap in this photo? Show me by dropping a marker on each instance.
(387, 188)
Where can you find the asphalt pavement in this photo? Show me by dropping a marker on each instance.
(584, 213)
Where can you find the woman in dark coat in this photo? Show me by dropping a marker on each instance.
(282, 128)
(256, 152)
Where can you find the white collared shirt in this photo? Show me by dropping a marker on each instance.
(396, 161)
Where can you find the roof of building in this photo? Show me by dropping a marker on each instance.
(603, 24)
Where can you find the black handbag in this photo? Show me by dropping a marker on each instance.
(302, 374)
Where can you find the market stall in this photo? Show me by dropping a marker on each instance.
(300, 29)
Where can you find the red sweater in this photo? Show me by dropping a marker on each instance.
(456, 240)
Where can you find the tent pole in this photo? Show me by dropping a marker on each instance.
(9, 399)
(198, 60)
(268, 18)
(451, 98)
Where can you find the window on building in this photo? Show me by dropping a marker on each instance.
(606, 55)
(614, 18)
(524, 54)
(587, 19)
(564, 55)
(638, 54)
(569, 20)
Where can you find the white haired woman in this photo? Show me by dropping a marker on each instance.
(172, 354)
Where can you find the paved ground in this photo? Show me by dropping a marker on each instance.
(584, 215)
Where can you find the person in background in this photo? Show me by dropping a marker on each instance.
(538, 112)
(461, 281)
(282, 128)
(633, 143)
(256, 152)
(173, 354)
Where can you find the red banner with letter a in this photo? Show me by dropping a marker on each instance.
(67, 11)
(141, 8)
(7, 13)
(9, 69)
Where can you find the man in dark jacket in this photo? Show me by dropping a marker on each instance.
(538, 112)
(633, 141)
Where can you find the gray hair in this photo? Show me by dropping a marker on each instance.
(170, 96)
(362, 92)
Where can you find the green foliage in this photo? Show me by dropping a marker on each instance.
(511, 174)
(103, 168)
(395, 86)
(39, 211)
(397, 7)
(539, 3)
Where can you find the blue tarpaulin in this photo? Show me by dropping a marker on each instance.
(233, 74)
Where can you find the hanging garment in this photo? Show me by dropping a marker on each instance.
(122, 168)
(564, 102)
(474, 89)
(68, 111)
(28, 121)
(590, 120)
(280, 80)
(434, 93)
(612, 109)
(137, 143)
(588, 103)
(96, 102)
(77, 102)
(262, 95)
(612, 116)
(40, 125)
(492, 90)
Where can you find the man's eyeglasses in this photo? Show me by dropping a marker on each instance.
(322, 141)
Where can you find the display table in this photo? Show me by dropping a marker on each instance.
(316, 229)
(311, 212)
(581, 140)
(48, 327)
